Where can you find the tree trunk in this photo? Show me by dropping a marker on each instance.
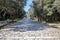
(38, 19)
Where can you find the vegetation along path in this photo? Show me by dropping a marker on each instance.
(26, 29)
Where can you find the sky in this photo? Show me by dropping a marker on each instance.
(27, 5)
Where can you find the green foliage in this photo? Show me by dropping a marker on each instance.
(11, 9)
(48, 10)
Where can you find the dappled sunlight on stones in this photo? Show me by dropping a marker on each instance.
(45, 34)
(29, 31)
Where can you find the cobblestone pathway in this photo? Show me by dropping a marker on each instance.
(27, 29)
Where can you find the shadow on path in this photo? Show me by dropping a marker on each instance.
(28, 25)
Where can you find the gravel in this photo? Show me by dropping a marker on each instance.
(29, 31)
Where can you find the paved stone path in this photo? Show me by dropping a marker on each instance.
(27, 29)
(3, 23)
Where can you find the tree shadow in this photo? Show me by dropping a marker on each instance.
(34, 26)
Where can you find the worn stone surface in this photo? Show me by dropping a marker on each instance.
(3, 23)
(26, 29)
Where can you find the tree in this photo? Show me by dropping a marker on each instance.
(48, 10)
(38, 7)
(12, 8)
